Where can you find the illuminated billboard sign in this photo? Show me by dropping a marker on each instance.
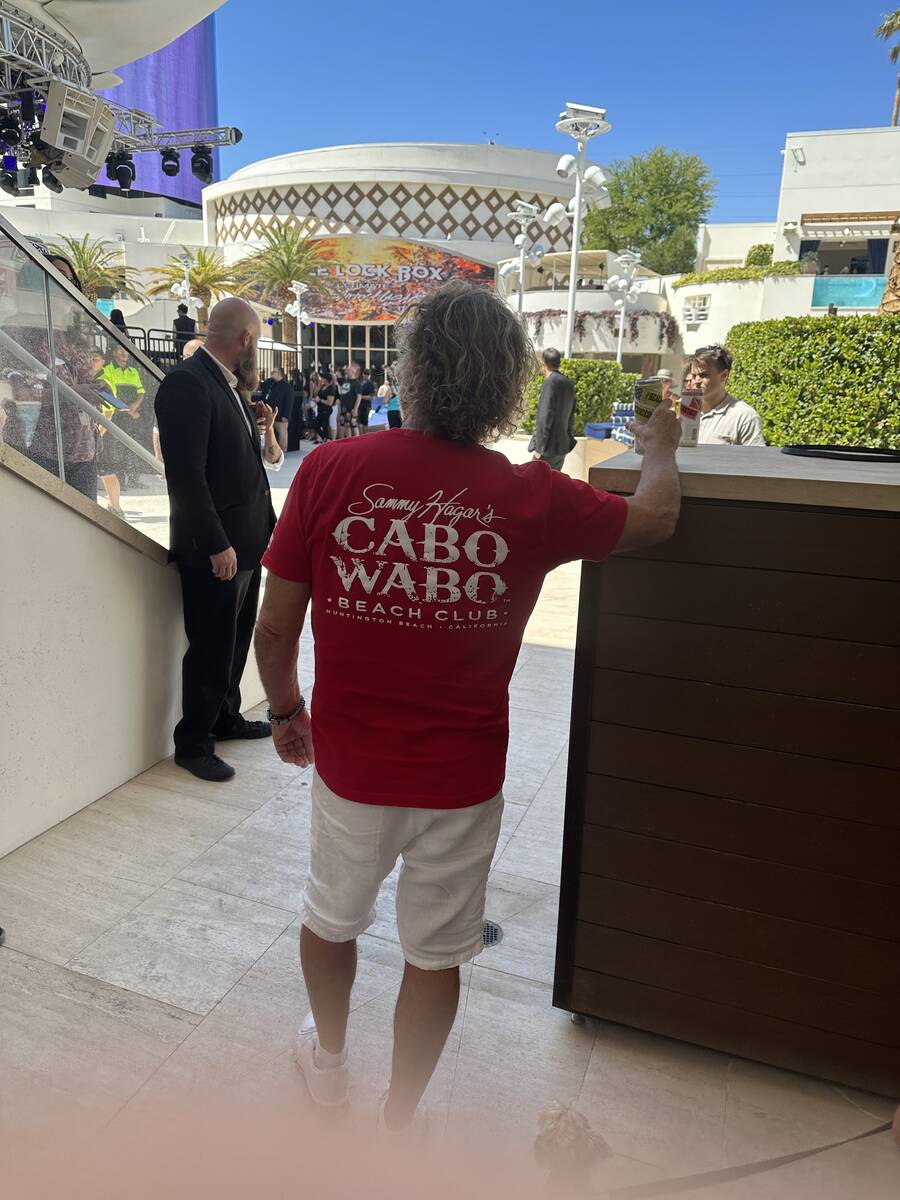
(375, 279)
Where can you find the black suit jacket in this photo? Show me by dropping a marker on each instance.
(218, 487)
(554, 432)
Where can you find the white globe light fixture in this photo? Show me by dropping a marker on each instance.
(525, 214)
(581, 122)
(296, 310)
(566, 165)
(623, 287)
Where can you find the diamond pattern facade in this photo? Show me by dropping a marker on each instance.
(404, 210)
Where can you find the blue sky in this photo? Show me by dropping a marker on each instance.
(717, 78)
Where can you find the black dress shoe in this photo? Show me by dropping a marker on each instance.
(248, 730)
(206, 766)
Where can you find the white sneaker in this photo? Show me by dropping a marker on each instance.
(328, 1086)
(416, 1131)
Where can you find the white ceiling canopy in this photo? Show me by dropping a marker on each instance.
(113, 33)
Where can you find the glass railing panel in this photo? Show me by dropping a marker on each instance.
(848, 291)
(77, 400)
(26, 392)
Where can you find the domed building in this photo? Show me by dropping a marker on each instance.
(393, 220)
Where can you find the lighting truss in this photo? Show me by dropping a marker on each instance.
(32, 55)
(137, 132)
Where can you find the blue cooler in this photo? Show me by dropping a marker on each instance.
(598, 429)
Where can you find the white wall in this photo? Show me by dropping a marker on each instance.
(91, 640)
(726, 244)
(729, 304)
(836, 171)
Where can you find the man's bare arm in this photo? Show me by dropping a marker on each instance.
(653, 509)
(277, 644)
(277, 640)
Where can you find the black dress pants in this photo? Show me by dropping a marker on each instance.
(219, 617)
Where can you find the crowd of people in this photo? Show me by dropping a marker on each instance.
(322, 404)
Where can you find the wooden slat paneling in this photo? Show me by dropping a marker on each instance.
(742, 717)
(790, 781)
(830, 954)
(731, 879)
(815, 843)
(851, 1061)
(751, 987)
(855, 545)
(821, 668)
(859, 610)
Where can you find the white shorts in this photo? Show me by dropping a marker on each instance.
(447, 855)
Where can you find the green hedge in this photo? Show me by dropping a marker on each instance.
(821, 380)
(599, 384)
(737, 274)
(759, 255)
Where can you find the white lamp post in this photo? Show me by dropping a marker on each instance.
(624, 289)
(295, 310)
(526, 214)
(183, 290)
(581, 122)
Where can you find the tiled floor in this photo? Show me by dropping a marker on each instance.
(152, 952)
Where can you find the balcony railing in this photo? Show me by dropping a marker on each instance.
(848, 291)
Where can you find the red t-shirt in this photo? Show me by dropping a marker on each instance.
(425, 558)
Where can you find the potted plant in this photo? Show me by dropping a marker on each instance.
(809, 262)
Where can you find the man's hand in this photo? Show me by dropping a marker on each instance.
(293, 742)
(536, 456)
(661, 433)
(265, 421)
(224, 564)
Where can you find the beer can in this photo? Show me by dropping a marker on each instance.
(648, 395)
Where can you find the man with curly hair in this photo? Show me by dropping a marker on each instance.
(424, 554)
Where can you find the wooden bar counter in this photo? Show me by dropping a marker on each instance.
(731, 861)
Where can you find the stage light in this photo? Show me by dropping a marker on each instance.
(202, 163)
(171, 162)
(124, 171)
(10, 129)
(9, 183)
(50, 181)
(594, 177)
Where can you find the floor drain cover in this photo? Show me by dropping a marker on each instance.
(492, 934)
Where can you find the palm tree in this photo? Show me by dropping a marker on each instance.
(890, 27)
(209, 275)
(287, 255)
(100, 267)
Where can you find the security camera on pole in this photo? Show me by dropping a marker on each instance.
(295, 310)
(624, 289)
(526, 214)
(581, 122)
(182, 291)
